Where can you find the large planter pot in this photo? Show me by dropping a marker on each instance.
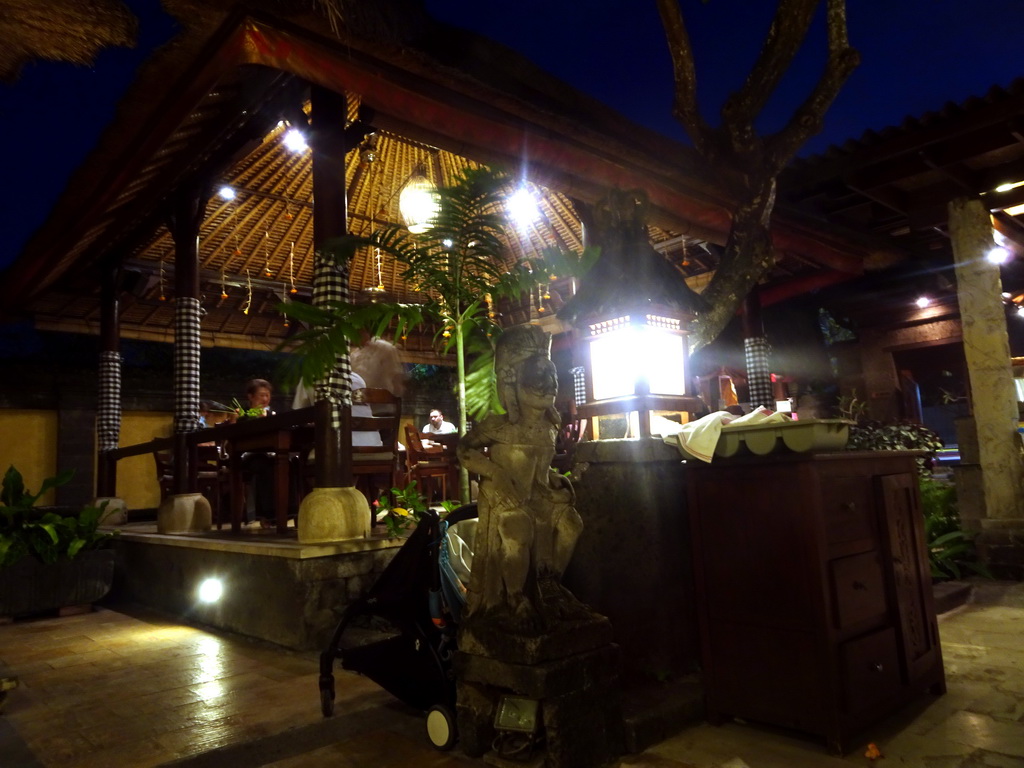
(30, 586)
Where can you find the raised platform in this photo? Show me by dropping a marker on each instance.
(275, 588)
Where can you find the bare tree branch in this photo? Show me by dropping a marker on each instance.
(685, 107)
(788, 30)
(808, 118)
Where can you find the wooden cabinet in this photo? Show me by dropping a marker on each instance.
(814, 590)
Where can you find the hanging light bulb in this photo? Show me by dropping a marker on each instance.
(418, 202)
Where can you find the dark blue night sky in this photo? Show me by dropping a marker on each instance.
(916, 56)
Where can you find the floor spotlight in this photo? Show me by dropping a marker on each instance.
(210, 590)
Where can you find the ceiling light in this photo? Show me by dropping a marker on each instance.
(295, 141)
(522, 207)
(998, 255)
(1009, 186)
(1020, 309)
(418, 202)
(923, 301)
(226, 193)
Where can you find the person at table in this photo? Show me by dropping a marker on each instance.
(259, 393)
(437, 425)
(258, 466)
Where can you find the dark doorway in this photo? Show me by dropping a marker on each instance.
(940, 371)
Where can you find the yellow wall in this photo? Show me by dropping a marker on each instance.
(136, 475)
(28, 440)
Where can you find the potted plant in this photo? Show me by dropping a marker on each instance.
(49, 560)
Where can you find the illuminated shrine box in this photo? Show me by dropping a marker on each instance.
(636, 369)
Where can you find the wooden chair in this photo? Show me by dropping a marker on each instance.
(211, 478)
(427, 466)
(376, 468)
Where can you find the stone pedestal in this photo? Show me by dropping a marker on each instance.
(633, 560)
(579, 717)
(333, 514)
(184, 513)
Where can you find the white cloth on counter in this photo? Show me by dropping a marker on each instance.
(699, 438)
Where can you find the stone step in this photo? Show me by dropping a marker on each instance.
(950, 595)
(654, 711)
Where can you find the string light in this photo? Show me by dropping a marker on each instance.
(291, 268)
(223, 284)
(286, 302)
(266, 254)
(248, 291)
(163, 297)
(380, 277)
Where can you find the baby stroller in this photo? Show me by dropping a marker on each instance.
(401, 633)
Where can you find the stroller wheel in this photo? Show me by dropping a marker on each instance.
(441, 727)
(326, 702)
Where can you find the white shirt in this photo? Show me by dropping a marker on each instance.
(446, 428)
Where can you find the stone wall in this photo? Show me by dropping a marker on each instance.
(292, 601)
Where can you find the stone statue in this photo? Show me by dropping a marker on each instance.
(528, 525)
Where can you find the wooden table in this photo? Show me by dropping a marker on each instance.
(282, 435)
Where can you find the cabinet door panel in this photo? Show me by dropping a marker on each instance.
(911, 573)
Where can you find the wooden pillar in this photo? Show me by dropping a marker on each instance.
(1000, 516)
(330, 221)
(108, 410)
(185, 221)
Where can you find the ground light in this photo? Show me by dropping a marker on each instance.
(211, 590)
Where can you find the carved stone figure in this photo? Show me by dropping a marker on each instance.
(528, 525)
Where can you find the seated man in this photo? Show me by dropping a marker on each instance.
(437, 425)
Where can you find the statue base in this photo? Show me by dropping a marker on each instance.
(578, 720)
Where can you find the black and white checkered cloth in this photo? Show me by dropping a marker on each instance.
(108, 407)
(579, 384)
(330, 283)
(186, 364)
(759, 378)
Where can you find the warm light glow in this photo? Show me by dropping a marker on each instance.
(211, 590)
(998, 255)
(418, 203)
(1008, 187)
(226, 193)
(522, 208)
(1015, 210)
(620, 358)
(923, 302)
(295, 141)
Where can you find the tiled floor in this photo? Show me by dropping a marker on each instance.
(113, 688)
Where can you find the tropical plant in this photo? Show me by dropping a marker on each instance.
(898, 436)
(461, 263)
(47, 536)
(402, 508)
(951, 550)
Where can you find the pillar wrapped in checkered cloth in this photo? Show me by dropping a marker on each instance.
(579, 384)
(186, 364)
(108, 408)
(759, 378)
(330, 284)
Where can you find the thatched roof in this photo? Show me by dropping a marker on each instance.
(61, 30)
(205, 111)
